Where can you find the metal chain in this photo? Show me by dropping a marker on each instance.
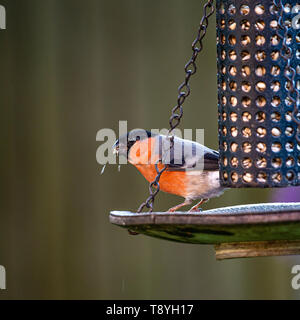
(289, 73)
(184, 91)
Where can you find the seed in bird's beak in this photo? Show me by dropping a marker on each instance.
(102, 171)
(116, 150)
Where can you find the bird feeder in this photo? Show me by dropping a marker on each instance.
(258, 63)
(257, 97)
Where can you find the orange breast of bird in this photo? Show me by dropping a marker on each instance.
(143, 156)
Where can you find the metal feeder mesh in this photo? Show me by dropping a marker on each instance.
(257, 134)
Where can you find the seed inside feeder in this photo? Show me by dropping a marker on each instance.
(223, 55)
(246, 116)
(259, 9)
(260, 71)
(260, 40)
(276, 177)
(232, 55)
(246, 102)
(245, 55)
(260, 86)
(288, 39)
(260, 116)
(247, 177)
(234, 162)
(233, 116)
(276, 162)
(247, 163)
(244, 10)
(259, 25)
(288, 23)
(261, 177)
(290, 175)
(290, 162)
(275, 132)
(289, 131)
(232, 40)
(233, 71)
(234, 177)
(275, 86)
(233, 101)
(275, 116)
(222, 24)
(275, 101)
(224, 131)
(276, 147)
(261, 147)
(261, 162)
(231, 9)
(261, 101)
(288, 85)
(275, 55)
(225, 175)
(275, 71)
(245, 71)
(287, 8)
(223, 39)
(223, 100)
(289, 146)
(245, 40)
(234, 131)
(274, 9)
(233, 85)
(274, 40)
(247, 147)
(246, 87)
(288, 116)
(246, 132)
(274, 24)
(261, 132)
(260, 56)
(231, 24)
(234, 147)
(245, 25)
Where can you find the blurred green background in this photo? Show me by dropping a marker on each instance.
(68, 69)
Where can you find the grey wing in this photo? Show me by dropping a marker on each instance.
(188, 155)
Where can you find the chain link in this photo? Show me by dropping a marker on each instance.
(184, 91)
(286, 53)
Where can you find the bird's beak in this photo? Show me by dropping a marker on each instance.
(119, 149)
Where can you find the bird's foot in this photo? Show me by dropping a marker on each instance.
(195, 210)
(174, 209)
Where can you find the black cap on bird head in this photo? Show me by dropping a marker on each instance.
(126, 141)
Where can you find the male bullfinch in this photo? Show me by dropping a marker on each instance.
(192, 170)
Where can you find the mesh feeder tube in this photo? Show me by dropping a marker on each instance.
(258, 57)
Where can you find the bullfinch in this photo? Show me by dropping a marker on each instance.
(192, 170)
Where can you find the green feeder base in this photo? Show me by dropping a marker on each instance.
(268, 229)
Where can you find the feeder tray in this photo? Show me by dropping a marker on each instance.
(257, 230)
